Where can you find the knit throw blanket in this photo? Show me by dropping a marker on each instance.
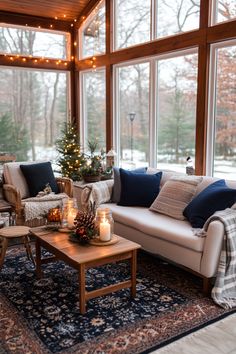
(224, 291)
(38, 207)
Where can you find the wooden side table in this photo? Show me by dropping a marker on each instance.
(14, 232)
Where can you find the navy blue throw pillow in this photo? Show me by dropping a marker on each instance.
(217, 196)
(117, 183)
(37, 175)
(138, 189)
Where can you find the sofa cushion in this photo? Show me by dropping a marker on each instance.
(38, 176)
(117, 183)
(217, 196)
(138, 189)
(175, 195)
(13, 175)
(158, 226)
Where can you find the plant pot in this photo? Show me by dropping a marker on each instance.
(90, 179)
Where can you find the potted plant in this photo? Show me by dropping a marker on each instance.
(92, 170)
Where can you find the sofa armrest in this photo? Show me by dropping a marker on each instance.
(13, 196)
(212, 249)
(98, 192)
(65, 185)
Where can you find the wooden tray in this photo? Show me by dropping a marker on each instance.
(65, 229)
(97, 242)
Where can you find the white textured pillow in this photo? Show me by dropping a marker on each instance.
(175, 195)
(101, 192)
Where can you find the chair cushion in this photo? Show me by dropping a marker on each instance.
(37, 176)
(217, 196)
(175, 195)
(117, 183)
(13, 175)
(138, 189)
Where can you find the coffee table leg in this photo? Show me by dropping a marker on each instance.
(38, 259)
(133, 273)
(82, 301)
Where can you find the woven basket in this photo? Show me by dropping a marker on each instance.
(90, 179)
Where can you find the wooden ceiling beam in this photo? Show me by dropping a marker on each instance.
(35, 63)
(33, 21)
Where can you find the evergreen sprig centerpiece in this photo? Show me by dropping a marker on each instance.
(71, 159)
(85, 225)
(93, 168)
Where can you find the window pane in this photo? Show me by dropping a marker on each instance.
(225, 119)
(94, 96)
(176, 16)
(29, 41)
(132, 22)
(224, 10)
(176, 111)
(33, 106)
(93, 33)
(133, 107)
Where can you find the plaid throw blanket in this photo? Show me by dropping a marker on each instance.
(224, 291)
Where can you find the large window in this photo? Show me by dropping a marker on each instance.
(93, 33)
(133, 114)
(176, 110)
(29, 41)
(155, 111)
(136, 22)
(223, 10)
(222, 111)
(93, 113)
(33, 106)
(132, 22)
(176, 16)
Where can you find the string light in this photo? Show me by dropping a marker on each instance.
(93, 62)
(18, 57)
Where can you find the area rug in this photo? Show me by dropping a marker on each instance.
(42, 316)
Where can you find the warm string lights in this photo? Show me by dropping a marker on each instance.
(56, 18)
(93, 63)
(30, 58)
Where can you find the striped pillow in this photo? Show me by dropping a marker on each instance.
(175, 195)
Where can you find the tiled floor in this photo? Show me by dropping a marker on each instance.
(218, 338)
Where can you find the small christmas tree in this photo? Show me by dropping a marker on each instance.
(71, 159)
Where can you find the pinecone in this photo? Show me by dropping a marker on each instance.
(85, 220)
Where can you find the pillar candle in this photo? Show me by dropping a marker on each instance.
(105, 231)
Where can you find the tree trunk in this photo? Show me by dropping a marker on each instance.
(51, 139)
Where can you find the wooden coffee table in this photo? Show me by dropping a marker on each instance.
(84, 257)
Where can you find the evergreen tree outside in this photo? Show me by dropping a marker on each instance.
(13, 138)
(71, 159)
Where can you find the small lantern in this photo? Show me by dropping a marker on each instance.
(111, 158)
(70, 210)
(54, 217)
(105, 224)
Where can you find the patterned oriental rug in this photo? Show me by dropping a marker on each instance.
(41, 316)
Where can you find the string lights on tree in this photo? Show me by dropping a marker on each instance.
(71, 159)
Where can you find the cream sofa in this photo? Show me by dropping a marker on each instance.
(175, 240)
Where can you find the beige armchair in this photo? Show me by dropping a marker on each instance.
(16, 191)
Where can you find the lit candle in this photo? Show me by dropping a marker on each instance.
(105, 230)
(71, 219)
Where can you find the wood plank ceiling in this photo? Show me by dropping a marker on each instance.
(60, 9)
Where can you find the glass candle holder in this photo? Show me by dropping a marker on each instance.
(105, 224)
(70, 210)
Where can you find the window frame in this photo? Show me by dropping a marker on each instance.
(211, 109)
(153, 27)
(81, 30)
(214, 14)
(36, 29)
(83, 106)
(153, 97)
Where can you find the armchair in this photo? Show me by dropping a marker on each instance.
(16, 191)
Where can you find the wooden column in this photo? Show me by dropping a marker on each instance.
(202, 92)
(109, 81)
